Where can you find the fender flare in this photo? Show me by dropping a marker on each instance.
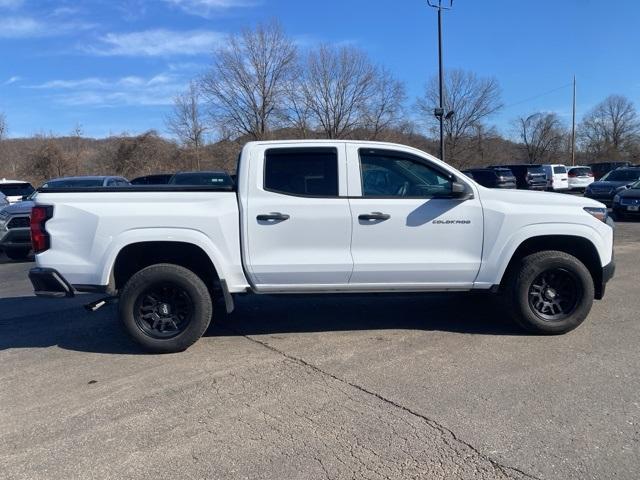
(494, 268)
(141, 235)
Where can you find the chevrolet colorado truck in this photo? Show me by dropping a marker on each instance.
(319, 216)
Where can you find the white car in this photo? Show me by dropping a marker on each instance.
(320, 216)
(15, 190)
(557, 177)
(580, 177)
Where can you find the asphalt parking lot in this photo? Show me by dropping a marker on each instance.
(403, 386)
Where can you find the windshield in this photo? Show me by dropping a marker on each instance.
(78, 182)
(219, 179)
(621, 176)
(535, 170)
(16, 189)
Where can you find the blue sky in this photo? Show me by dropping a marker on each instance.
(114, 65)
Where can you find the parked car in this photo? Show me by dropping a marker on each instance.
(557, 178)
(580, 178)
(157, 179)
(202, 179)
(87, 181)
(15, 190)
(492, 177)
(600, 169)
(528, 176)
(310, 217)
(613, 182)
(15, 237)
(626, 203)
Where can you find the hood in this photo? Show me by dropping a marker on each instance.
(533, 197)
(604, 185)
(630, 193)
(19, 208)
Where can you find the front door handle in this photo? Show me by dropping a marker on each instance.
(272, 217)
(369, 217)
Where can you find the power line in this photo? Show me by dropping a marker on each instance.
(535, 97)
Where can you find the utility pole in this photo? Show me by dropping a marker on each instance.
(439, 112)
(573, 125)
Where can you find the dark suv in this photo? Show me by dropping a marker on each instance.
(602, 168)
(612, 183)
(492, 177)
(528, 176)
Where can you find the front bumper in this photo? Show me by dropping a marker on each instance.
(47, 282)
(607, 199)
(622, 209)
(608, 271)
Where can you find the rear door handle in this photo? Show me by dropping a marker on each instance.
(368, 217)
(272, 217)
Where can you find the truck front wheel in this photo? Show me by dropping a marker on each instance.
(550, 293)
(165, 308)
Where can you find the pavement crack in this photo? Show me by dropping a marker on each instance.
(441, 428)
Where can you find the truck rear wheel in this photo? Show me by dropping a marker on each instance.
(165, 308)
(550, 293)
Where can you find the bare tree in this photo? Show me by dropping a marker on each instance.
(611, 129)
(186, 123)
(246, 84)
(384, 108)
(472, 100)
(297, 113)
(337, 84)
(48, 160)
(542, 135)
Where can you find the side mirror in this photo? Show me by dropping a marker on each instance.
(460, 191)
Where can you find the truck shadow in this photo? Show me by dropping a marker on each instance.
(30, 322)
(452, 312)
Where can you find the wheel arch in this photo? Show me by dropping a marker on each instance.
(133, 256)
(580, 247)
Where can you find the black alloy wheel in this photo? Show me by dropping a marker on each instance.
(164, 310)
(554, 294)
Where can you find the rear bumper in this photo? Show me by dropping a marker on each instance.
(47, 282)
(15, 238)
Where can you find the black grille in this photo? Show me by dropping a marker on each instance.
(19, 222)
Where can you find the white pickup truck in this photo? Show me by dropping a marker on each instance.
(320, 216)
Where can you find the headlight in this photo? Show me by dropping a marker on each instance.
(616, 199)
(599, 213)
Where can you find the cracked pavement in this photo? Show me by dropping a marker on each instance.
(312, 387)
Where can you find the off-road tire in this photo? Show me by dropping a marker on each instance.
(195, 294)
(518, 288)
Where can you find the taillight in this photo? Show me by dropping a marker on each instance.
(40, 240)
(590, 174)
(572, 175)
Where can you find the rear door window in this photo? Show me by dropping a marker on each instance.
(309, 172)
(559, 169)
